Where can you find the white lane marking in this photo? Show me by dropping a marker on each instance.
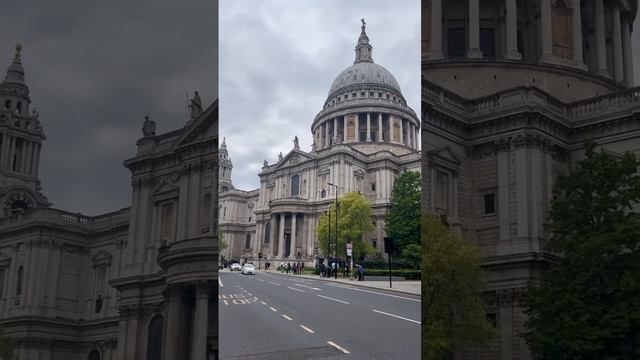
(396, 316)
(309, 287)
(249, 294)
(260, 280)
(274, 283)
(286, 317)
(307, 329)
(378, 293)
(272, 309)
(220, 282)
(289, 287)
(338, 347)
(263, 303)
(340, 301)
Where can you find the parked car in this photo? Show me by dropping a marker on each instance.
(248, 269)
(235, 267)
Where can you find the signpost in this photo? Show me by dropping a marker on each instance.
(388, 248)
(350, 257)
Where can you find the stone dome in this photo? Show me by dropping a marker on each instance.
(364, 73)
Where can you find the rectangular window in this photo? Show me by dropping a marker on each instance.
(295, 185)
(456, 42)
(373, 186)
(363, 135)
(488, 42)
(167, 220)
(489, 204)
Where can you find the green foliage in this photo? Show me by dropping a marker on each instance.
(402, 222)
(586, 306)
(354, 219)
(452, 280)
(408, 274)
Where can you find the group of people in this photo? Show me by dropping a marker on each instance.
(329, 271)
(296, 268)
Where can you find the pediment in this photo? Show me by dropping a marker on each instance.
(293, 158)
(203, 128)
(165, 186)
(444, 153)
(102, 258)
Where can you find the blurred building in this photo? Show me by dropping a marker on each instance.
(364, 136)
(510, 91)
(136, 283)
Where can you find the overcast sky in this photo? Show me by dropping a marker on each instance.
(278, 59)
(95, 69)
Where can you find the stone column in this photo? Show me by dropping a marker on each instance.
(601, 46)
(401, 131)
(616, 28)
(626, 53)
(326, 134)
(200, 322)
(474, 30)
(292, 250)
(335, 130)
(173, 296)
(272, 233)
(436, 30)
(357, 132)
(545, 23)
(281, 237)
(344, 129)
(577, 34)
(512, 31)
(368, 126)
(380, 127)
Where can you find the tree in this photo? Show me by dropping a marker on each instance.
(402, 222)
(586, 305)
(354, 219)
(453, 315)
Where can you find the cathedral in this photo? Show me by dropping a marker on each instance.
(510, 92)
(364, 136)
(136, 283)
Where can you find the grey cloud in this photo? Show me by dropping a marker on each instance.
(95, 69)
(278, 59)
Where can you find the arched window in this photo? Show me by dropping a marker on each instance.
(94, 355)
(98, 307)
(267, 232)
(154, 338)
(247, 242)
(19, 282)
(7, 104)
(19, 107)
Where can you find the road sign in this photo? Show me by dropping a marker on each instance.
(349, 249)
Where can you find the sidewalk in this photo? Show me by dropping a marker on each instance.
(411, 287)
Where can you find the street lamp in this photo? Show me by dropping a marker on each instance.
(336, 186)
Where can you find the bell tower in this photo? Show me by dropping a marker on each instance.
(225, 168)
(21, 139)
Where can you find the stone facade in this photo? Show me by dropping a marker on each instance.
(506, 114)
(136, 283)
(364, 136)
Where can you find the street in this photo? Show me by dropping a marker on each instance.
(274, 316)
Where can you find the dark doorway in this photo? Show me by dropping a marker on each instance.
(154, 338)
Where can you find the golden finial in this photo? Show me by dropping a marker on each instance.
(17, 56)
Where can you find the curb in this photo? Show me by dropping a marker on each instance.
(355, 283)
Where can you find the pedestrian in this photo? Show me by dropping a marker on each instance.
(301, 268)
(288, 268)
(322, 270)
(295, 269)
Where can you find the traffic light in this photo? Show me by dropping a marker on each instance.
(388, 245)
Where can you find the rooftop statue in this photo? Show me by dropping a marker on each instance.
(148, 127)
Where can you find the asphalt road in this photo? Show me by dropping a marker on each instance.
(271, 316)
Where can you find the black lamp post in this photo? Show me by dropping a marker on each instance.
(336, 186)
